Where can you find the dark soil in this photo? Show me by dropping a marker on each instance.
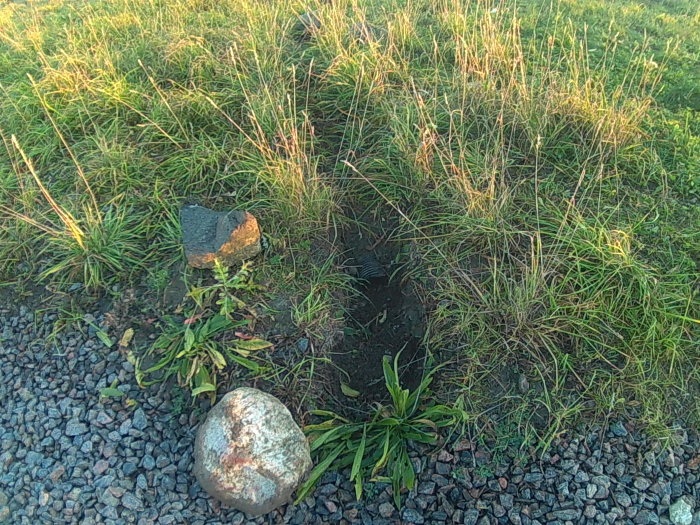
(385, 318)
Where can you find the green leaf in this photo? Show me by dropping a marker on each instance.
(317, 472)
(385, 454)
(253, 345)
(409, 475)
(330, 414)
(347, 391)
(215, 325)
(217, 358)
(206, 387)
(247, 363)
(189, 340)
(330, 435)
(357, 464)
(104, 338)
(111, 392)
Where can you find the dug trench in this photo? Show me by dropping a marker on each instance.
(385, 318)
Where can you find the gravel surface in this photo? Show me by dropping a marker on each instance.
(67, 457)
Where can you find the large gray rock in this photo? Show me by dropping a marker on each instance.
(249, 453)
(229, 236)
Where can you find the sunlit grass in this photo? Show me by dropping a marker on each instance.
(541, 163)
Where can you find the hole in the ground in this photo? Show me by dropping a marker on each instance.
(386, 318)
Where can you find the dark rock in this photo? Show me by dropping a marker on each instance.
(230, 237)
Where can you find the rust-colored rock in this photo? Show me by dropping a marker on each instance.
(231, 237)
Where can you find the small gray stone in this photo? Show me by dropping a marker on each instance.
(141, 482)
(148, 462)
(75, 428)
(581, 477)
(33, 458)
(623, 499)
(646, 517)
(128, 468)
(131, 502)
(471, 516)
(618, 429)
(412, 516)
(591, 490)
(386, 510)
(100, 467)
(642, 483)
(506, 500)
(681, 512)
(139, 422)
(533, 477)
(103, 419)
(567, 514)
(108, 498)
(125, 427)
(427, 487)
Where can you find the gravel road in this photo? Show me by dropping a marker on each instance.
(68, 457)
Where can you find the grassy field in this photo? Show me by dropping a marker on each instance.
(537, 165)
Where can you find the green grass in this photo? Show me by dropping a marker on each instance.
(377, 449)
(542, 163)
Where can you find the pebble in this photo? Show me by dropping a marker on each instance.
(139, 421)
(412, 516)
(130, 501)
(386, 510)
(681, 512)
(618, 429)
(646, 517)
(75, 428)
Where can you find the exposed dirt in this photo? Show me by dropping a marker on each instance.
(384, 319)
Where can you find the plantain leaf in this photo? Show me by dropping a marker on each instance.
(189, 340)
(218, 358)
